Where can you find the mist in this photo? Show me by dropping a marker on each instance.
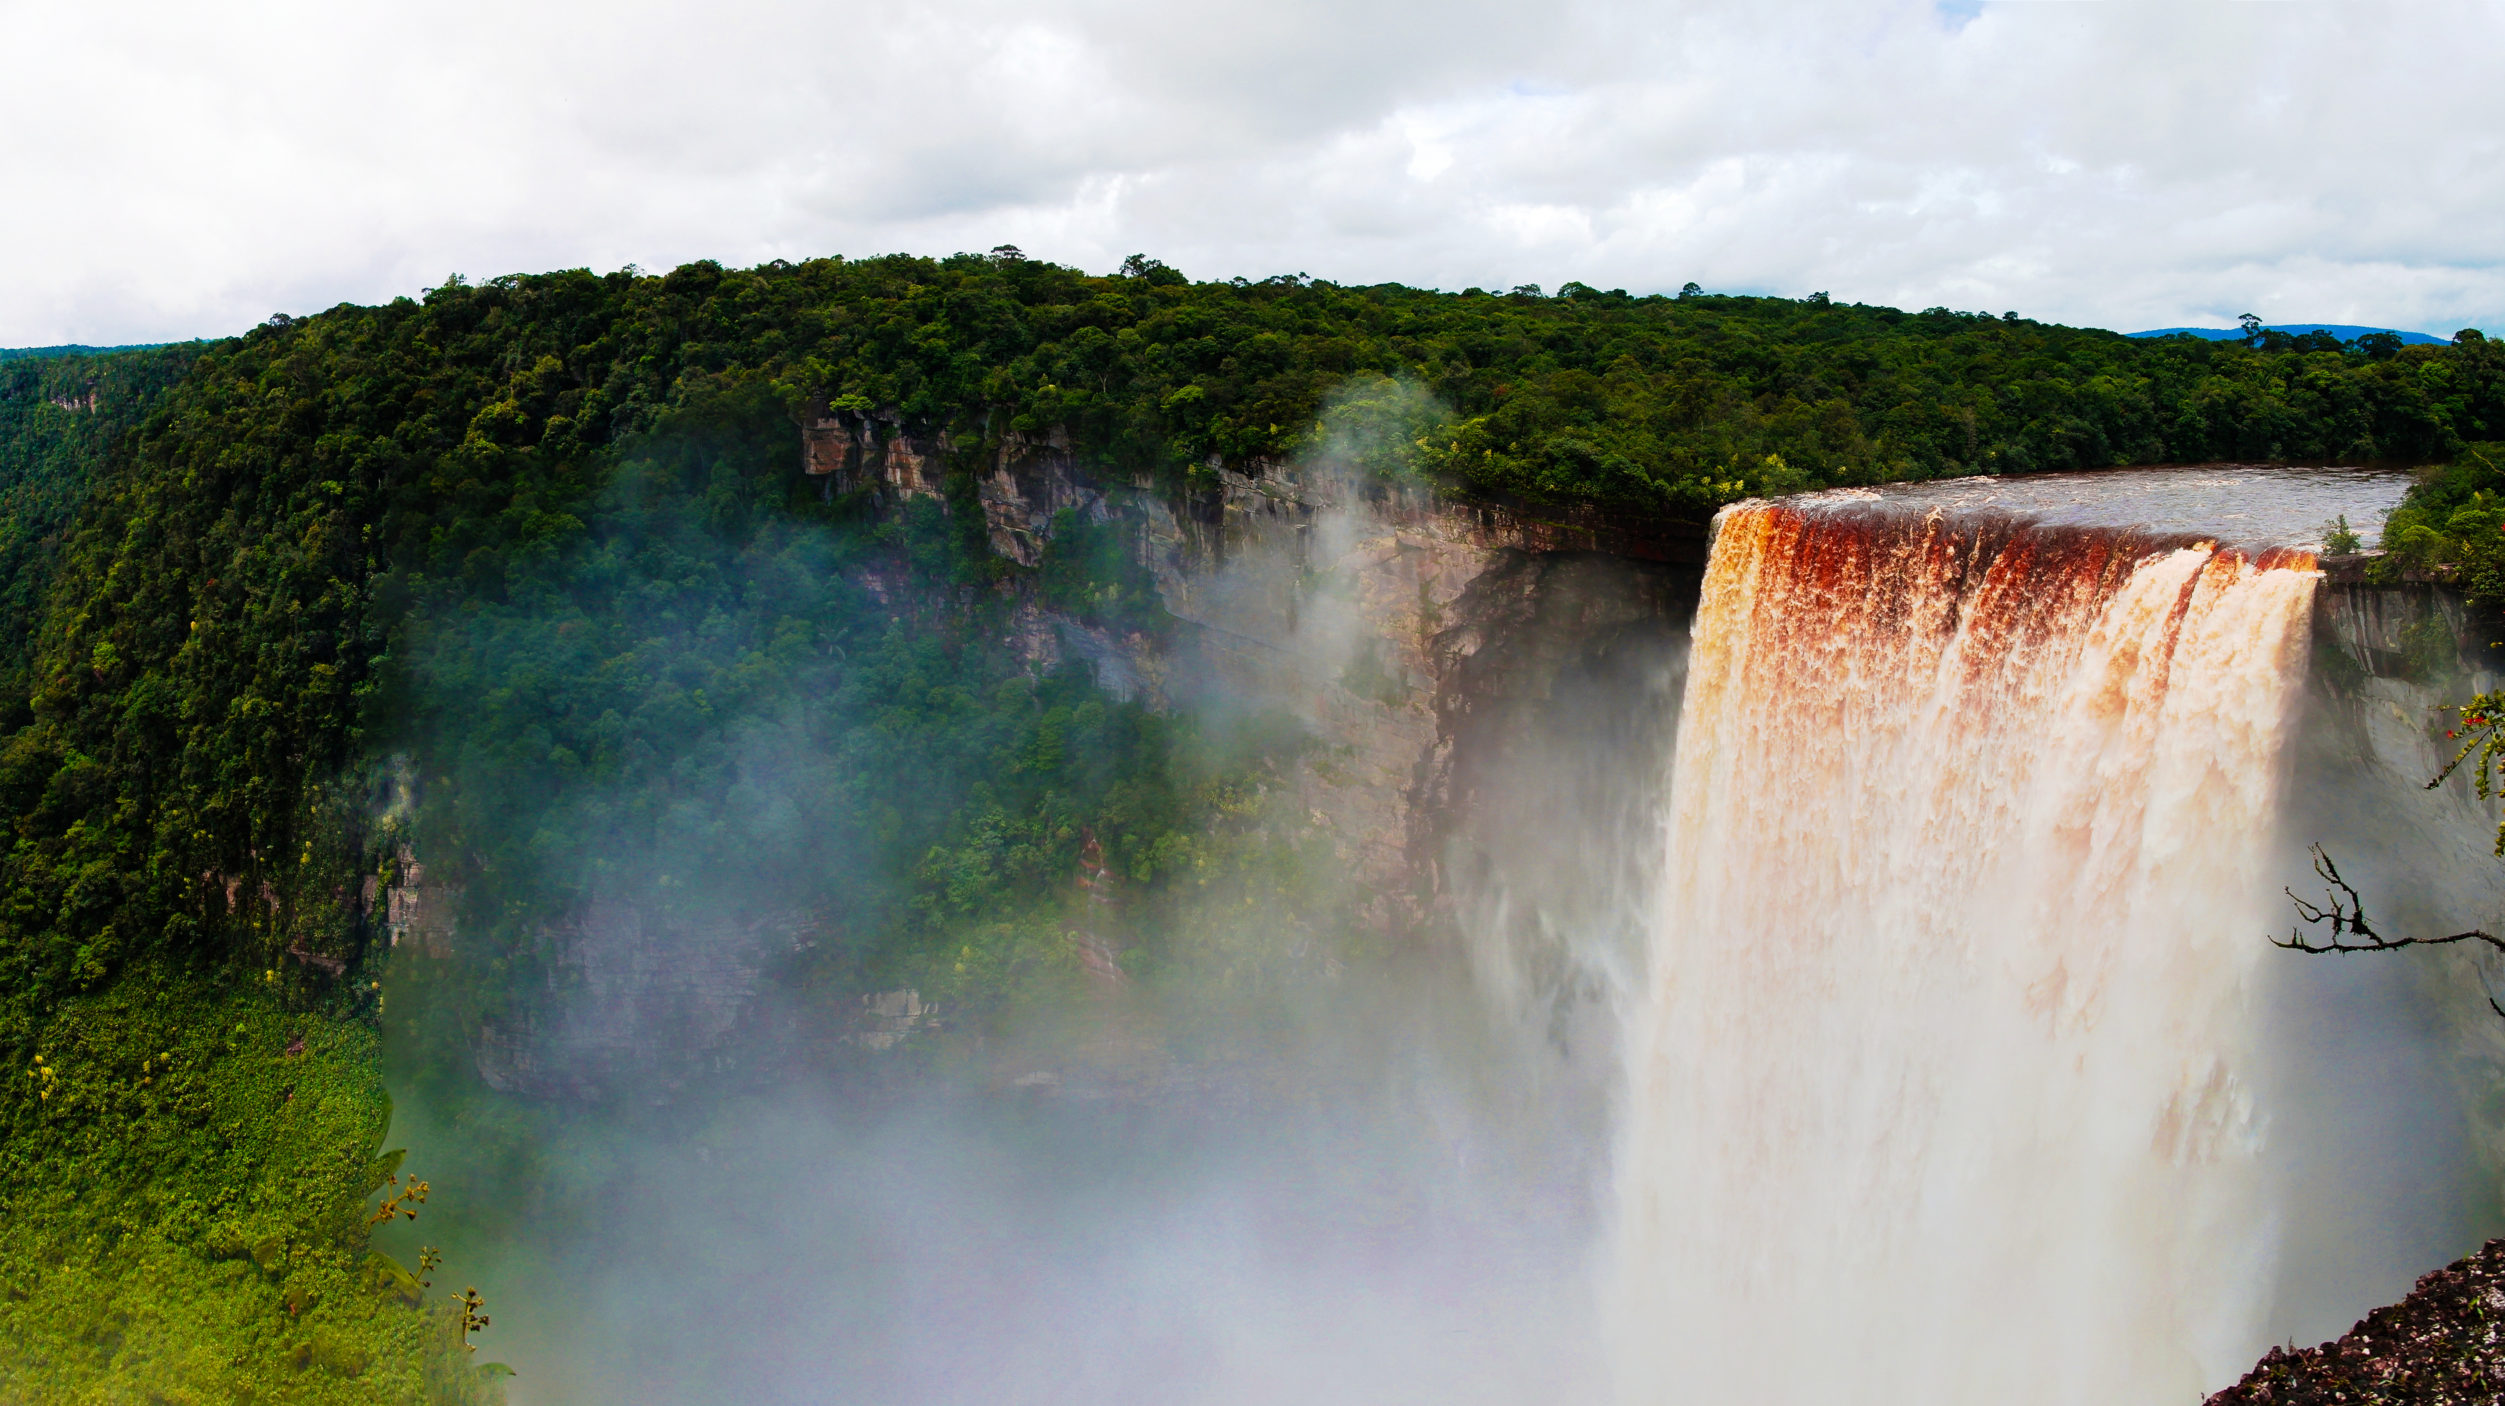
(1386, 1241)
(2388, 1148)
(1298, 1125)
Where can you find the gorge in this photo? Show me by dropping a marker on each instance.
(1256, 836)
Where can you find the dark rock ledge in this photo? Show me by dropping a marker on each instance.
(2445, 1343)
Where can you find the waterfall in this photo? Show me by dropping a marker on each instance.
(1940, 1089)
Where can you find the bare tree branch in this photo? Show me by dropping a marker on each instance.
(2483, 718)
(2345, 917)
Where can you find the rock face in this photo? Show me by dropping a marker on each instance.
(2440, 1346)
(2391, 663)
(1418, 638)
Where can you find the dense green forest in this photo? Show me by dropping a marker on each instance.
(526, 574)
(59, 415)
(73, 350)
(2453, 525)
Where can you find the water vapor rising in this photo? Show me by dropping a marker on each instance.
(1319, 1117)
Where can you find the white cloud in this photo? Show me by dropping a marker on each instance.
(178, 170)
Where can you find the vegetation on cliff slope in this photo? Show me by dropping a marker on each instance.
(2452, 524)
(548, 537)
(59, 414)
(693, 702)
(186, 1172)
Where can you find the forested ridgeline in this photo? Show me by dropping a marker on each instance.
(465, 482)
(526, 576)
(59, 414)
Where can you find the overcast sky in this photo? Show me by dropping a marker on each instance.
(174, 170)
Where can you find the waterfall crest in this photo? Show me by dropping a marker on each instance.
(1940, 1089)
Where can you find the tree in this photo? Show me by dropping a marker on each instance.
(2341, 916)
(2341, 919)
(1151, 271)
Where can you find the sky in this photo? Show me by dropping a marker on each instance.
(179, 170)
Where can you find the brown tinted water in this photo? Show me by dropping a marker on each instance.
(2250, 505)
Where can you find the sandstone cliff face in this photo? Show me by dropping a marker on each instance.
(1397, 625)
(871, 452)
(631, 999)
(1420, 640)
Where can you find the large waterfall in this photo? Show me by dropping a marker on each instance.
(1942, 1086)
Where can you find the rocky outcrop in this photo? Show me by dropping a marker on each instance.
(2413, 626)
(1021, 485)
(1025, 487)
(1419, 639)
(1389, 619)
(2444, 1345)
(856, 453)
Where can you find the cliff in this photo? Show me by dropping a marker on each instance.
(2391, 664)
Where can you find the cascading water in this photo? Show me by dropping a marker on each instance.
(1940, 1089)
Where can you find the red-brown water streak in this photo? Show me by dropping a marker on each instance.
(1938, 1095)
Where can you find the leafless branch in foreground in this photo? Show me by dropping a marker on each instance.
(2345, 917)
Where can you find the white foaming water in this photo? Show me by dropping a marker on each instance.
(1940, 1087)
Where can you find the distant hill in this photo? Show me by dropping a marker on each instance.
(31, 353)
(2341, 330)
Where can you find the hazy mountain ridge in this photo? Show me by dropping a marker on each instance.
(2346, 332)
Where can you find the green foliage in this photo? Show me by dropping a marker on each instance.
(1647, 405)
(692, 703)
(185, 1170)
(2453, 524)
(2481, 733)
(59, 416)
(1388, 428)
(1091, 569)
(2339, 539)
